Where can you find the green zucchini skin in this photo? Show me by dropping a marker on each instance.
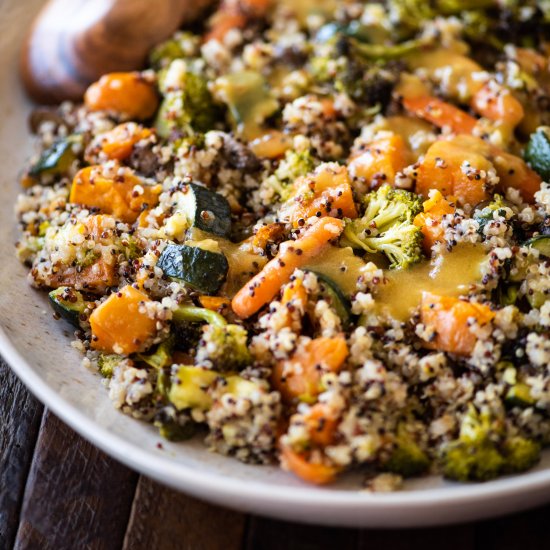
(56, 159)
(201, 269)
(68, 304)
(537, 152)
(541, 243)
(207, 210)
(331, 293)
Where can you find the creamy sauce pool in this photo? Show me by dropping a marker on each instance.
(451, 275)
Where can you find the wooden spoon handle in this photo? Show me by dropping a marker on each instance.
(73, 42)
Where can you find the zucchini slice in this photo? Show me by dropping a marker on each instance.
(204, 270)
(541, 243)
(331, 293)
(56, 159)
(206, 210)
(68, 303)
(537, 153)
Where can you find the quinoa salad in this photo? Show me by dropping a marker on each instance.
(314, 234)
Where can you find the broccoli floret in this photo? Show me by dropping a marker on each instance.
(407, 458)
(521, 454)
(224, 348)
(483, 451)
(294, 165)
(107, 363)
(181, 45)
(189, 109)
(387, 226)
(175, 425)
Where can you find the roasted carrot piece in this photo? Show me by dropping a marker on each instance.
(119, 142)
(294, 300)
(119, 325)
(215, 303)
(381, 160)
(454, 171)
(451, 318)
(514, 172)
(497, 103)
(326, 192)
(124, 194)
(429, 221)
(321, 424)
(318, 474)
(440, 113)
(271, 145)
(268, 234)
(127, 94)
(292, 254)
(300, 376)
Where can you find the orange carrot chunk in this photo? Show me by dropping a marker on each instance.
(429, 221)
(118, 143)
(300, 376)
(454, 170)
(440, 113)
(127, 94)
(262, 288)
(451, 319)
(318, 474)
(381, 160)
(119, 325)
(124, 194)
(497, 103)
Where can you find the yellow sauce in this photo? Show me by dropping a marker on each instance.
(451, 275)
(341, 265)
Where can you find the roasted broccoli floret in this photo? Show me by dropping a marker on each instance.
(188, 108)
(223, 348)
(483, 451)
(107, 363)
(387, 226)
(407, 458)
(181, 45)
(294, 165)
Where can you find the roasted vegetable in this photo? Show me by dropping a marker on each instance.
(537, 153)
(68, 303)
(483, 451)
(187, 108)
(106, 364)
(57, 159)
(541, 243)
(333, 295)
(292, 254)
(122, 323)
(387, 226)
(127, 95)
(451, 320)
(162, 355)
(189, 385)
(407, 458)
(206, 210)
(205, 270)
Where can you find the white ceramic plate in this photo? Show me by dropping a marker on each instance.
(37, 348)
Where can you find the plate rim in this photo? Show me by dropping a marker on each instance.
(223, 489)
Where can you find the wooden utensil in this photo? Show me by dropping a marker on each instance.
(73, 42)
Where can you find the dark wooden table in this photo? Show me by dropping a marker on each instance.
(57, 491)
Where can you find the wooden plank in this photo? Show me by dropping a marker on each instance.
(20, 415)
(164, 519)
(454, 537)
(270, 534)
(76, 496)
(526, 531)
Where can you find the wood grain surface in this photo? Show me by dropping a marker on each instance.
(59, 492)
